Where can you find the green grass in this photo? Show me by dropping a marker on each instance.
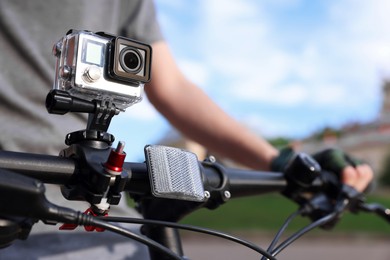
(268, 213)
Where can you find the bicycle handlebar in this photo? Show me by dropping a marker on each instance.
(59, 170)
(216, 179)
(46, 168)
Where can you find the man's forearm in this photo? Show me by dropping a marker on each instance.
(193, 113)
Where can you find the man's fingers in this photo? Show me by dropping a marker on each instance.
(365, 176)
(349, 176)
(358, 177)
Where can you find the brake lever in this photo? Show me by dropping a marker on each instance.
(376, 208)
(320, 206)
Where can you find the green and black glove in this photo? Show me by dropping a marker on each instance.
(279, 163)
(332, 160)
(335, 160)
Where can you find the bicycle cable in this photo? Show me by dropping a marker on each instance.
(191, 228)
(95, 221)
(303, 231)
(281, 230)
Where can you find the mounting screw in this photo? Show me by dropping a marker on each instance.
(207, 194)
(212, 159)
(227, 194)
(56, 51)
(65, 72)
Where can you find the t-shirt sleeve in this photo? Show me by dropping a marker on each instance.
(141, 23)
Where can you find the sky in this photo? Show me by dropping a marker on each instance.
(284, 68)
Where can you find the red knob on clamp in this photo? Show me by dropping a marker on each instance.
(116, 159)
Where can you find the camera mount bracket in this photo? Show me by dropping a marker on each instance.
(100, 112)
(92, 146)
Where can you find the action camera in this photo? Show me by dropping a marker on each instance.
(99, 66)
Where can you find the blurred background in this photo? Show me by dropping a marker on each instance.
(313, 74)
(284, 68)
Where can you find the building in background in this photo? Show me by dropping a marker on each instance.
(370, 141)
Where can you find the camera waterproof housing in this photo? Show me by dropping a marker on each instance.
(102, 67)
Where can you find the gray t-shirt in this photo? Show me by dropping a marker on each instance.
(28, 30)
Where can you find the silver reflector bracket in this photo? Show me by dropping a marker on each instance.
(174, 173)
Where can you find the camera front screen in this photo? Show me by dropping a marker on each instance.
(93, 52)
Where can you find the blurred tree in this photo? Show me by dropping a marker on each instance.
(385, 172)
(279, 142)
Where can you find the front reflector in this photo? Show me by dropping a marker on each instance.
(174, 173)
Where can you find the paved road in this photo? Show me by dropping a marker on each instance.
(310, 247)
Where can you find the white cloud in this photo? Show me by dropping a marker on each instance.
(220, 12)
(195, 71)
(245, 47)
(328, 95)
(269, 127)
(342, 58)
(262, 126)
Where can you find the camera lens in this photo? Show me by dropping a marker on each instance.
(130, 60)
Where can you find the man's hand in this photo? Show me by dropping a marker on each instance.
(351, 172)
